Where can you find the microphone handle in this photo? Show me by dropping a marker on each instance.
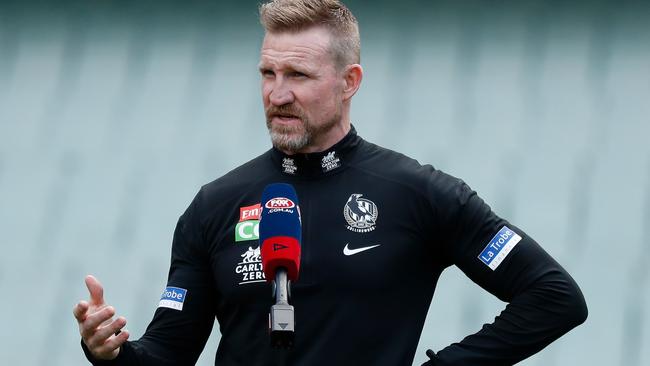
(281, 317)
(281, 287)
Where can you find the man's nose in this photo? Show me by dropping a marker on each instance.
(281, 94)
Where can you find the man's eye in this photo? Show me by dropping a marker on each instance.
(267, 73)
(297, 74)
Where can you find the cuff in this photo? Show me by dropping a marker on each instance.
(432, 359)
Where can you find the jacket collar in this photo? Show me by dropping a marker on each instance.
(318, 164)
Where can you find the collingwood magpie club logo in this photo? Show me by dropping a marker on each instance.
(289, 166)
(360, 213)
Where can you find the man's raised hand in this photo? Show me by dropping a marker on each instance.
(96, 324)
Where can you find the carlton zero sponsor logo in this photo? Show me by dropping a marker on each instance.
(289, 166)
(330, 162)
(499, 247)
(250, 268)
(248, 227)
(173, 298)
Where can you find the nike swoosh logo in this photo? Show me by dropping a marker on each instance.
(347, 251)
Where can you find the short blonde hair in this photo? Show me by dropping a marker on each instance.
(295, 15)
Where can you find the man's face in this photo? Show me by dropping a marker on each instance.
(301, 89)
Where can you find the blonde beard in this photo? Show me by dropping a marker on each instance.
(296, 138)
(290, 139)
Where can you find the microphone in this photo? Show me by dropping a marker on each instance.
(280, 233)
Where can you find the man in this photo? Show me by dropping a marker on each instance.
(378, 229)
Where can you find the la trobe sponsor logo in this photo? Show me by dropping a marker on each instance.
(499, 247)
(173, 298)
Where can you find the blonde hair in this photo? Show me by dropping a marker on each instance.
(295, 15)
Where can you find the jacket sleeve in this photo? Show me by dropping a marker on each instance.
(177, 337)
(544, 302)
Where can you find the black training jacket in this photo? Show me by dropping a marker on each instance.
(378, 229)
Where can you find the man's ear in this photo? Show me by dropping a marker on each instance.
(352, 74)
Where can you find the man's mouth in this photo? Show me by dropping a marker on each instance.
(285, 117)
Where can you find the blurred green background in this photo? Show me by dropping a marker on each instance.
(114, 113)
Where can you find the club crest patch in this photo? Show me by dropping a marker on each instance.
(360, 214)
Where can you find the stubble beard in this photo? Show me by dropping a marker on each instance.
(295, 138)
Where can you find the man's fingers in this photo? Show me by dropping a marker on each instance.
(113, 343)
(79, 310)
(93, 321)
(95, 289)
(95, 325)
(105, 332)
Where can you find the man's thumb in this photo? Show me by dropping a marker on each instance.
(95, 289)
